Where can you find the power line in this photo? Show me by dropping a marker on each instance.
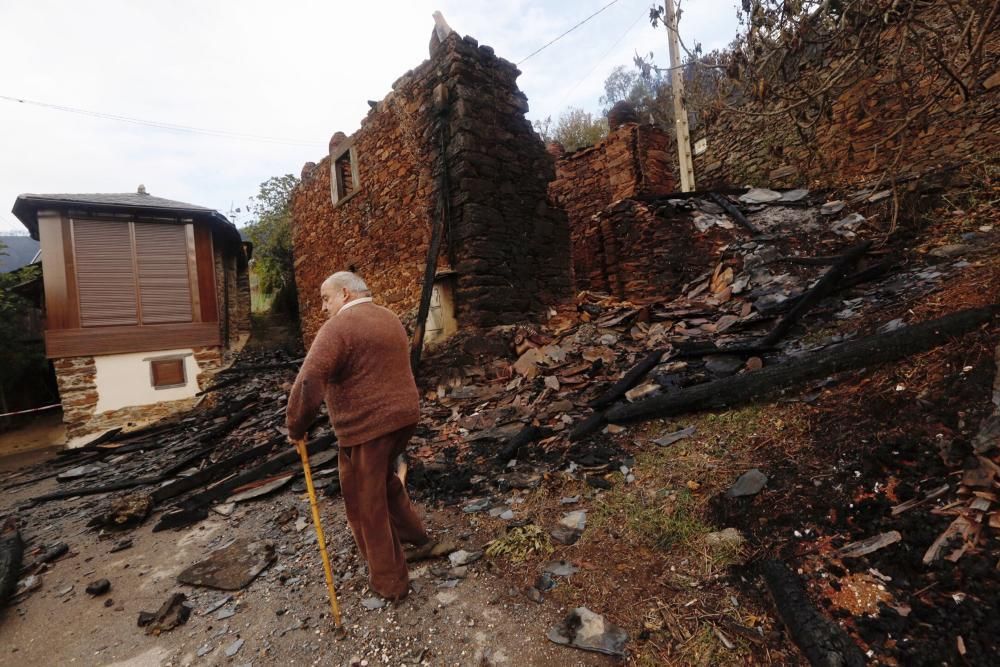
(160, 125)
(604, 55)
(534, 53)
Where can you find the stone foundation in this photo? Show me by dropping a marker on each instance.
(77, 380)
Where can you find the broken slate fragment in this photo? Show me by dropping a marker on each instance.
(234, 648)
(224, 509)
(260, 488)
(480, 505)
(231, 568)
(676, 436)
(217, 604)
(795, 195)
(759, 196)
(749, 483)
(560, 568)
(463, 557)
(583, 629)
(832, 207)
(172, 612)
(121, 546)
(99, 587)
(80, 471)
(223, 614)
(570, 527)
(373, 603)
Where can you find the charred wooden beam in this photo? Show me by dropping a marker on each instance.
(11, 553)
(821, 641)
(823, 287)
(588, 427)
(525, 436)
(211, 472)
(94, 490)
(629, 380)
(441, 227)
(243, 370)
(847, 356)
(192, 508)
(733, 212)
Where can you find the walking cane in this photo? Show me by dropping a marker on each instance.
(334, 605)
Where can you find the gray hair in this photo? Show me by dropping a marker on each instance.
(352, 282)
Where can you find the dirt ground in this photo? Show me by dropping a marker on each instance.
(41, 432)
(283, 616)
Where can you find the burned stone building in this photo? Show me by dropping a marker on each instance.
(448, 146)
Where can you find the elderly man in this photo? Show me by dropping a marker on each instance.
(359, 363)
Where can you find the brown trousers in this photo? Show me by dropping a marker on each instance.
(379, 510)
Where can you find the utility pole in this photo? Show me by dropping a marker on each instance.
(680, 113)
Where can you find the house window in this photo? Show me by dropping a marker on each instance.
(167, 372)
(344, 174)
(131, 273)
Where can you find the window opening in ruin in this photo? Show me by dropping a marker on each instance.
(344, 174)
(167, 372)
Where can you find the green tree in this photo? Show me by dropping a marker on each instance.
(575, 129)
(645, 88)
(270, 231)
(18, 357)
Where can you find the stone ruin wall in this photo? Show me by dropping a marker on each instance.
(618, 245)
(509, 249)
(636, 250)
(748, 149)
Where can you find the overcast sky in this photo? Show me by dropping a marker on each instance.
(296, 71)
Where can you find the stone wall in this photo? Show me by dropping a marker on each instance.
(635, 250)
(855, 141)
(77, 380)
(595, 185)
(508, 247)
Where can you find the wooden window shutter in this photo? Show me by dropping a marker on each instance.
(164, 284)
(167, 373)
(105, 273)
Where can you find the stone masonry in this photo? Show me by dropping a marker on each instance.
(855, 143)
(508, 248)
(77, 381)
(618, 244)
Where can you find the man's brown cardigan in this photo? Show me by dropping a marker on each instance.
(359, 363)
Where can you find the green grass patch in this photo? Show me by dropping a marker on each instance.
(520, 543)
(666, 520)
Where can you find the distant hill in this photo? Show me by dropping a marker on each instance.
(20, 250)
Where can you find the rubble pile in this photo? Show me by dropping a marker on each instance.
(498, 399)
